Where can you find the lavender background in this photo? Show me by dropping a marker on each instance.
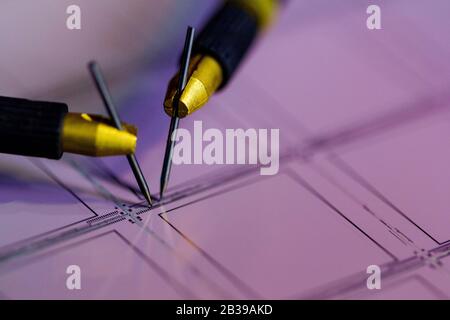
(364, 121)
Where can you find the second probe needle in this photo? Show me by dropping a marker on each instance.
(110, 108)
(175, 120)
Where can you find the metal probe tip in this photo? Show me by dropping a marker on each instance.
(102, 88)
(175, 120)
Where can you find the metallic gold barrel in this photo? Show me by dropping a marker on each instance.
(219, 49)
(94, 136)
(205, 77)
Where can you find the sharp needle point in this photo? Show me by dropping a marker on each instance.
(148, 198)
(110, 108)
(174, 122)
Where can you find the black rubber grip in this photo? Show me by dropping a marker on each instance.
(31, 128)
(227, 37)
